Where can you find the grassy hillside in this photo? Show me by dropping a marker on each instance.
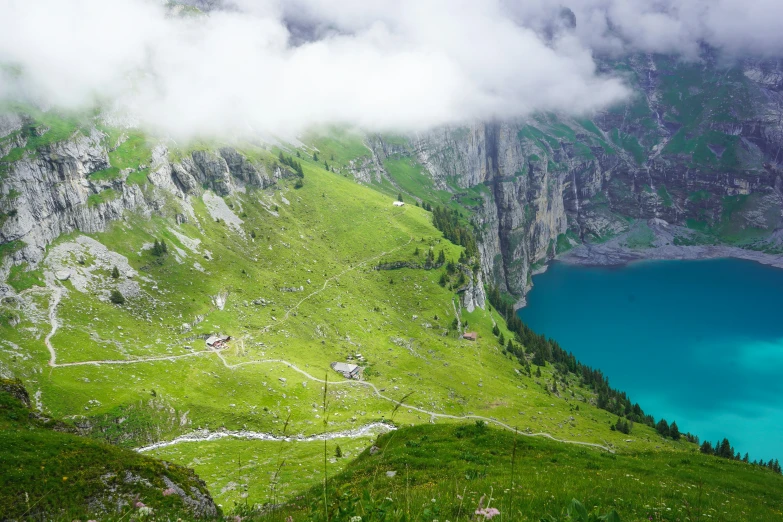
(292, 275)
(51, 475)
(448, 472)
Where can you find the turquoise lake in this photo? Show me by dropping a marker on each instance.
(697, 342)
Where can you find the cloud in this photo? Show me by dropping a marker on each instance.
(273, 66)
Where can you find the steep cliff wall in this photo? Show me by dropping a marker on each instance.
(699, 146)
(70, 185)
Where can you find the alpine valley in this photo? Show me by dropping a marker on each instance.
(170, 312)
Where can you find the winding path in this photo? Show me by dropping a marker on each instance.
(414, 408)
(57, 295)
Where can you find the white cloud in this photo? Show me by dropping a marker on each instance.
(276, 66)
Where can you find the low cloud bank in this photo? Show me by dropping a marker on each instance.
(268, 66)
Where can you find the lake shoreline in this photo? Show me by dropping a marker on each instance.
(700, 343)
(616, 253)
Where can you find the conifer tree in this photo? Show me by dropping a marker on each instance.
(662, 427)
(115, 273)
(674, 431)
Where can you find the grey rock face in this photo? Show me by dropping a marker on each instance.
(9, 123)
(540, 187)
(50, 193)
(244, 170)
(212, 170)
(473, 295)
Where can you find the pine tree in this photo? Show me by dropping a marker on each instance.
(441, 257)
(399, 196)
(662, 427)
(674, 431)
(315, 156)
(495, 330)
(338, 453)
(115, 273)
(501, 340)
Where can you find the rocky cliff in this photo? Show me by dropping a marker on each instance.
(68, 185)
(698, 146)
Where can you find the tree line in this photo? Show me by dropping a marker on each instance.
(448, 222)
(291, 162)
(725, 450)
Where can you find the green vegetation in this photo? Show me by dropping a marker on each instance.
(23, 278)
(448, 222)
(629, 143)
(131, 153)
(116, 297)
(699, 196)
(666, 198)
(9, 248)
(50, 474)
(93, 200)
(411, 177)
(448, 472)
(317, 272)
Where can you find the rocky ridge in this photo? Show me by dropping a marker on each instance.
(53, 190)
(556, 182)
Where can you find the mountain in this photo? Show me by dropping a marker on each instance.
(123, 252)
(698, 147)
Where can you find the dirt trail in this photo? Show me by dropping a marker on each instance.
(432, 415)
(57, 295)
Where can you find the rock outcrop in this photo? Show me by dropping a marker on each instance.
(49, 192)
(658, 158)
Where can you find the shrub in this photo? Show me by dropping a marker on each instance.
(116, 297)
